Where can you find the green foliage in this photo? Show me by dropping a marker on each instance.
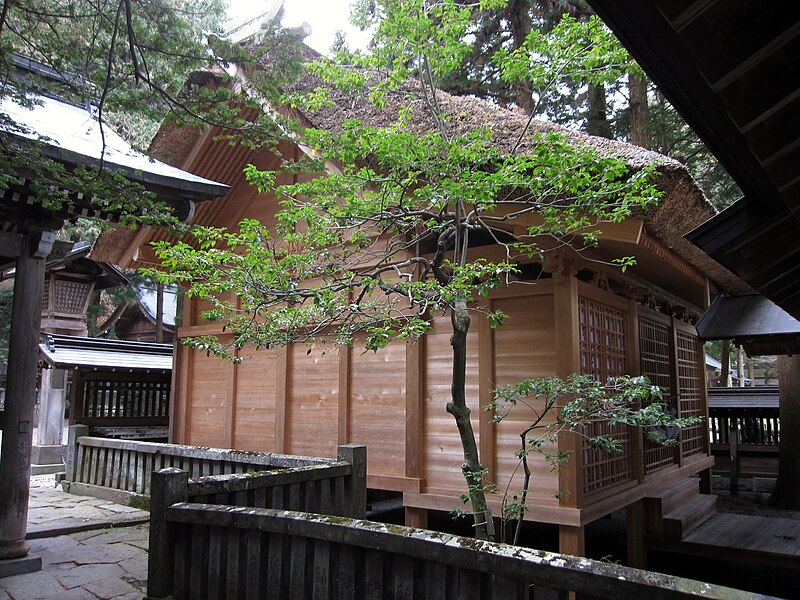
(576, 402)
(130, 61)
(368, 251)
(565, 39)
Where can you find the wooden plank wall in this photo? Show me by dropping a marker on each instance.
(524, 347)
(441, 445)
(307, 401)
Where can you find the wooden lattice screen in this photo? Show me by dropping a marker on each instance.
(690, 392)
(604, 355)
(654, 356)
(109, 398)
(68, 296)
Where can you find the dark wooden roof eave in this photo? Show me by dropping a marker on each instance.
(706, 87)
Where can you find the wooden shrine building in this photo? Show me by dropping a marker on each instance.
(572, 315)
(119, 388)
(71, 135)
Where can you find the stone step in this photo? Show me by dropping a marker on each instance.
(688, 517)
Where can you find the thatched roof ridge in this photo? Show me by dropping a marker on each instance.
(462, 115)
(684, 206)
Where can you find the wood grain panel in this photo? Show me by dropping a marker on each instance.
(312, 401)
(255, 402)
(208, 400)
(378, 407)
(524, 348)
(443, 454)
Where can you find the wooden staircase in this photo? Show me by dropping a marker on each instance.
(675, 512)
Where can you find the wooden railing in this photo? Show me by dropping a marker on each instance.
(121, 470)
(114, 400)
(204, 551)
(744, 431)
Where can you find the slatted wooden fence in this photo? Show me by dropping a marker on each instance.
(207, 552)
(744, 430)
(121, 470)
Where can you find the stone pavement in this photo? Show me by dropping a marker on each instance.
(86, 551)
(52, 511)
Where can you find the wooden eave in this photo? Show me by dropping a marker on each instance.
(730, 68)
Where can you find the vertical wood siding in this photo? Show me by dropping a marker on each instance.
(524, 348)
(443, 454)
(377, 407)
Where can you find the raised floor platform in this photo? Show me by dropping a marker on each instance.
(755, 539)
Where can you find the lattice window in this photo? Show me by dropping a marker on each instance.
(46, 295)
(602, 340)
(70, 296)
(690, 393)
(604, 355)
(654, 355)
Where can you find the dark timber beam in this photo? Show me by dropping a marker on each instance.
(15, 460)
(10, 244)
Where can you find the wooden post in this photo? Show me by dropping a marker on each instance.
(23, 354)
(416, 517)
(73, 433)
(733, 445)
(486, 382)
(345, 356)
(571, 540)
(169, 486)
(566, 320)
(636, 532)
(356, 486)
(282, 373)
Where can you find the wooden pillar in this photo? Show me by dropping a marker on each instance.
(230, 407)
(637, 535)
(355, 487)
(281, 390)
(571, 540)
(486, 382)
(345, 359)
(785, 494)
(169, 486)
(416, 517)
(23, 350)
(415, 419)
(566, 320)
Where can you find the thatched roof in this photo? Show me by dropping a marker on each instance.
(682, 208)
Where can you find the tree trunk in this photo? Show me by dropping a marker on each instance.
(597, 119)
(471, 468)
(786, 493)
(519, 18)
(725, 369)
(637, 90)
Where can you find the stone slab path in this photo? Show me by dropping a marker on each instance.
(90, 548)
(52, 511)
(102, 563)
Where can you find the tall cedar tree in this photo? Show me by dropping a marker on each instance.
(619, 104)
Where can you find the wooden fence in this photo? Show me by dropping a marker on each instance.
(744, 431)
(120, 470)
(205, 552)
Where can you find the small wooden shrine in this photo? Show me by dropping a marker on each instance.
(573, 314)
(27, 237)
